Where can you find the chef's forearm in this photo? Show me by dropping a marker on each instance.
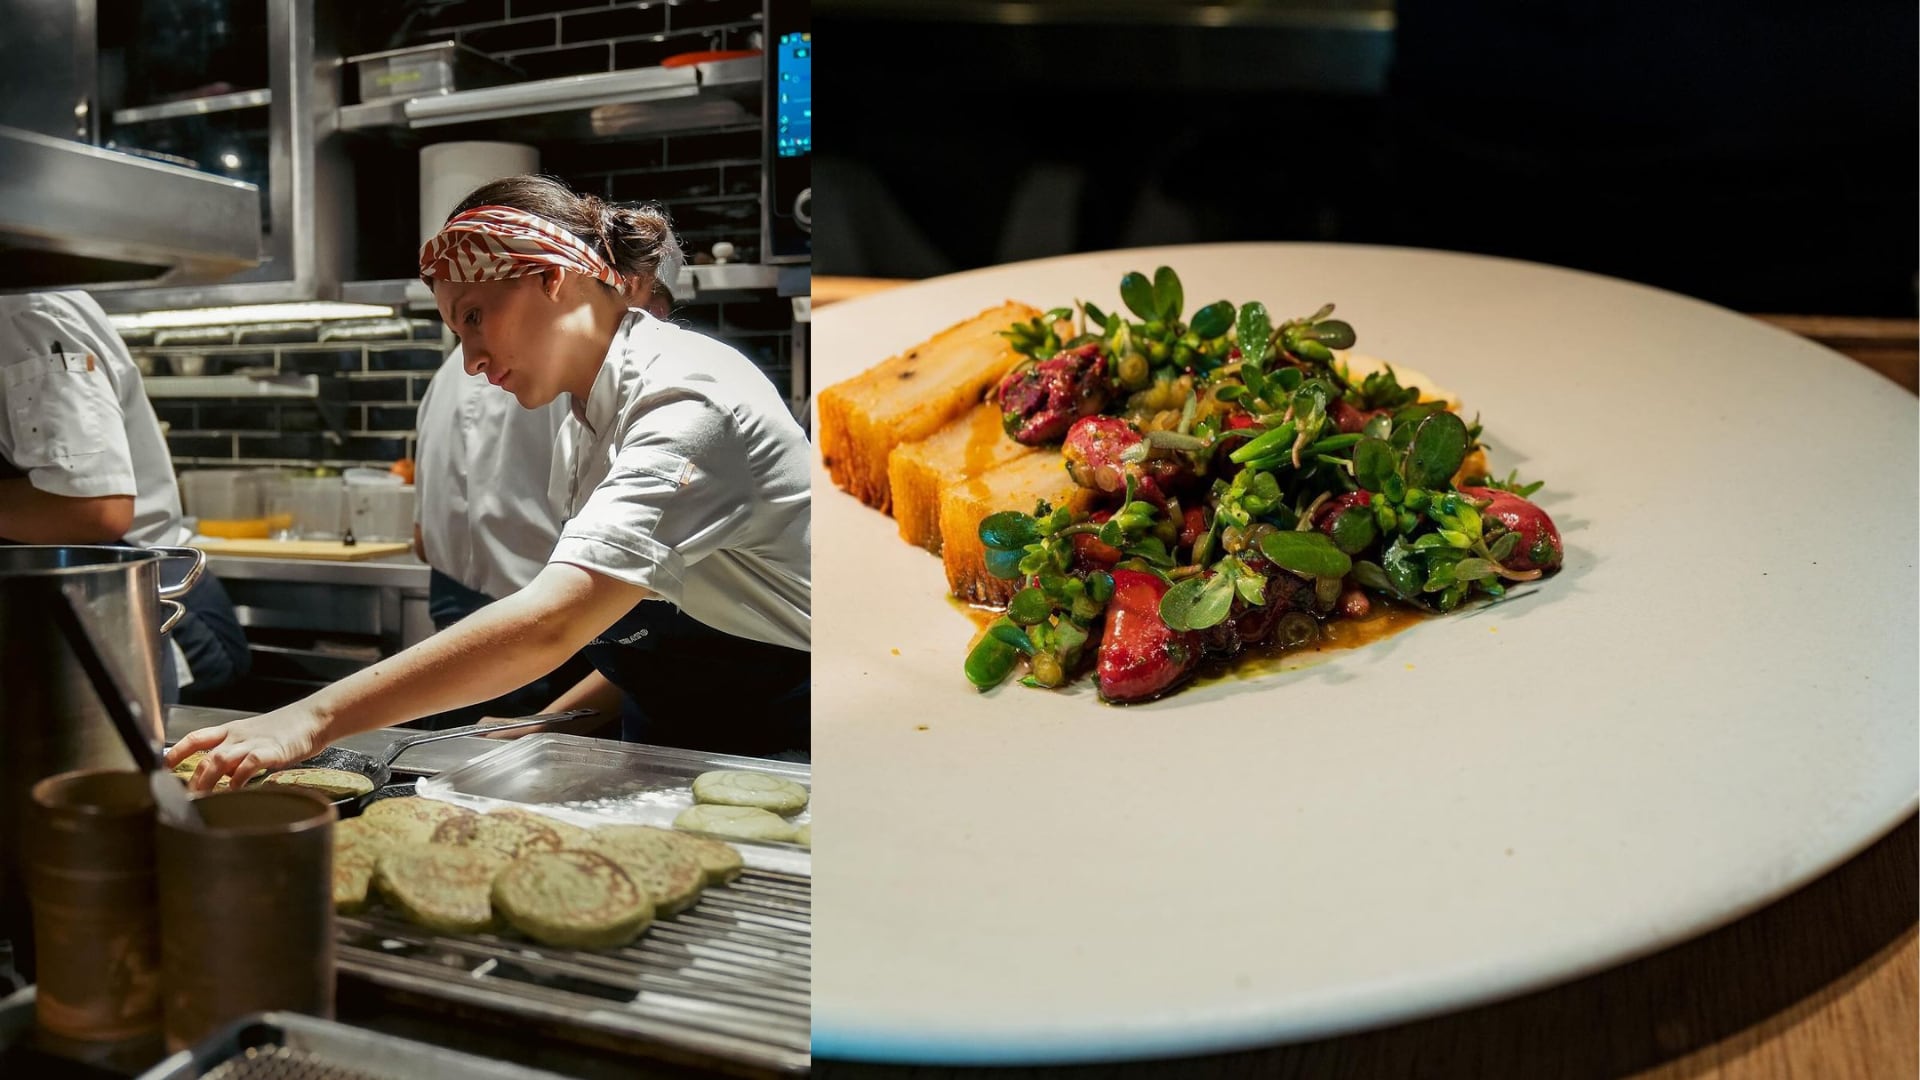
(594, 692)
(31, 516)
(499, 648)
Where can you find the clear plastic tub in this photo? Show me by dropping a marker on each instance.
(380, 511)
(220, 494)
(319, 507)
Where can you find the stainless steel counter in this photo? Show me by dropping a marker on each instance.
(311, 622)
(391, 572)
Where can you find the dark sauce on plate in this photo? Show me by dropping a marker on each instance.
(1385, 620)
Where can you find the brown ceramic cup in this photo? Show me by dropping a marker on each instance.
(91, 881)
(246, 911)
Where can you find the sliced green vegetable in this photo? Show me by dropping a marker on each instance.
(992, 659)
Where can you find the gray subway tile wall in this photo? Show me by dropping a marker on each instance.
(372, 373)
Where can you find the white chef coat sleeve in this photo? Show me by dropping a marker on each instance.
(678, 490)
(422, 431)
(63, 422)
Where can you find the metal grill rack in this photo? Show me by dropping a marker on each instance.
(730, 978)
(284, 1063)
(289, 1046)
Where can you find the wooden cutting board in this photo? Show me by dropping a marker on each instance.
(304, 549)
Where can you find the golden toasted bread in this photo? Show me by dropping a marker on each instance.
(1017, 485)
(917, 472)
(911, 396)
(1472, 467)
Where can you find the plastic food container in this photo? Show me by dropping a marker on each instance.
(435, 68)
(220, 494)
(227, 503)
(318, 507)
(380, 511)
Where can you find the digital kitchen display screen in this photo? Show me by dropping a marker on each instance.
(795, 108)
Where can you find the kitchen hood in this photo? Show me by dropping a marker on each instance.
(76, 216)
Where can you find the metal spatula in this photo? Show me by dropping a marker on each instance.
(169, 795)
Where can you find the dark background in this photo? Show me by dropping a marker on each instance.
(1758, 155)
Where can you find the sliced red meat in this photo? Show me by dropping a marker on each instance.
(1141, 657)
(1539, 541)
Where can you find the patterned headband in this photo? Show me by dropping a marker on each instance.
(489, 243)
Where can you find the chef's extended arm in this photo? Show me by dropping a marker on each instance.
(499, 648)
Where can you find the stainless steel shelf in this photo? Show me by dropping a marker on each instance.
(617, 103)
(409, 293)
(199, 386)
(696, 283)
(703, 282)
(244, 99)
(83, 216)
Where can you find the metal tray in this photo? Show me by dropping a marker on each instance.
(289, 1046)
(594, 782)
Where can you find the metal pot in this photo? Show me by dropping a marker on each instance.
(50, 719)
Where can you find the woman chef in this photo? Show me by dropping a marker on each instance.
(682, 477)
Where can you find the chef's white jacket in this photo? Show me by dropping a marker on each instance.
(480, 477)
(684, 472)
(74, 415)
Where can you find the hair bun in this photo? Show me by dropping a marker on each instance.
(641, 237)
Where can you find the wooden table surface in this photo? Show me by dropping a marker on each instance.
(1822, 984)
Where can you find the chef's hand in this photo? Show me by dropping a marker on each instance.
(241, 749)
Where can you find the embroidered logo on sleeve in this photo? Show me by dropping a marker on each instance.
(660, 464)
(630, 639)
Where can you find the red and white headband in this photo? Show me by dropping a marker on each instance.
(490, 243)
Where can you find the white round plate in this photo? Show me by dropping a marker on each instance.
(1712, 704)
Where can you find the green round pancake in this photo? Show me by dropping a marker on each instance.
(440, 886)
(572, 899)
(719, 862)
(571, 837)
(733, 787)
(356, 848)
(411, 819)
(671, 875)
(333, 783)
(511, 833)
(739, 822)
